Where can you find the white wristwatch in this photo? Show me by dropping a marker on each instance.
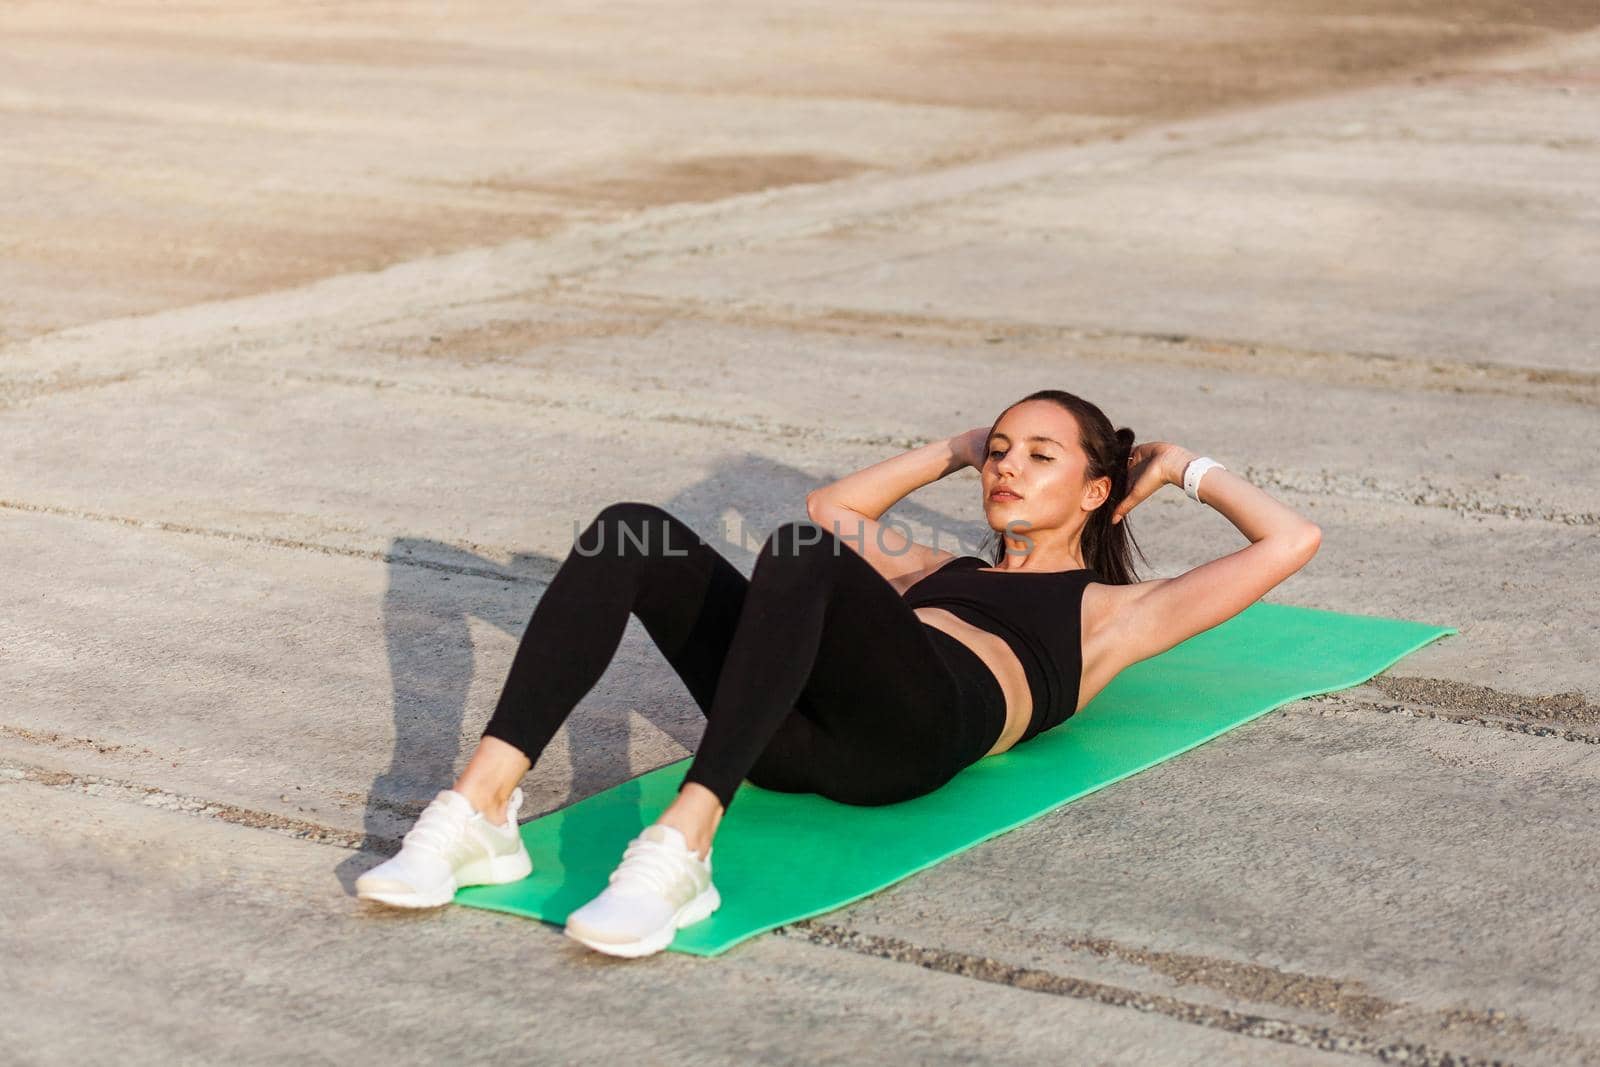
(1194, 472)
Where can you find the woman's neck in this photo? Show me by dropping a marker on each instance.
(1041, 559)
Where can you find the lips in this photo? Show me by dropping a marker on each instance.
(1003, 494)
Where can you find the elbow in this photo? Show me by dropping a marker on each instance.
(821, 510)
(1309, 540)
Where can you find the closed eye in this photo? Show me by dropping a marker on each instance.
(1037, 455)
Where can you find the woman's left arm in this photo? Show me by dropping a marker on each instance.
(1155, 615)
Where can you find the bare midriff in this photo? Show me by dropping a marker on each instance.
(993, 650)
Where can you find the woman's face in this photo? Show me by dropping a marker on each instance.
(1034, 476)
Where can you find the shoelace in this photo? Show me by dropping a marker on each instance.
(649, 865)
(437, 827)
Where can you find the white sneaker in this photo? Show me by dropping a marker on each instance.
(659, 887)
(452, 845)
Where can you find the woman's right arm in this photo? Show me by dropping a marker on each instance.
(849, 508)
(875, 489)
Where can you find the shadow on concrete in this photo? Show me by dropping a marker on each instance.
(430, 647)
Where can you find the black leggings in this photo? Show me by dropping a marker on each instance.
(814, 674)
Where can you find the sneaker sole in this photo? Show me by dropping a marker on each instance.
(497, 870)
(697, 909)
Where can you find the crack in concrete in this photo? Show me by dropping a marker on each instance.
(1425, 493)
(754, 424)
(986, 969)
(1345, 998)
(17, 392)
(1448, 693)
(268, 540)
(1348, 999)
(1510, 725)
(1344, 368)
(153, 797)
(408, 809)
(54, 739)
(1467, 704)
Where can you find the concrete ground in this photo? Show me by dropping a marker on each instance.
(323, 328)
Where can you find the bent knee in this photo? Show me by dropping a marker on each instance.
(634, 516)
(629, 528)
(802, 540)
(631, 511)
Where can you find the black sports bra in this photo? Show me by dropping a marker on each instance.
(1038, 614)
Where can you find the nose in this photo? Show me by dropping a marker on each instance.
(1008, 464)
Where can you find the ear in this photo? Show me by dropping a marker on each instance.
(1097, 492)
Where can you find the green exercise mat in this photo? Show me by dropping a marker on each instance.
(781, 857)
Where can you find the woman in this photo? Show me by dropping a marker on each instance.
(869, 674)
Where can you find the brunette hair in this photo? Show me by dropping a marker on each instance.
(1107, 548)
